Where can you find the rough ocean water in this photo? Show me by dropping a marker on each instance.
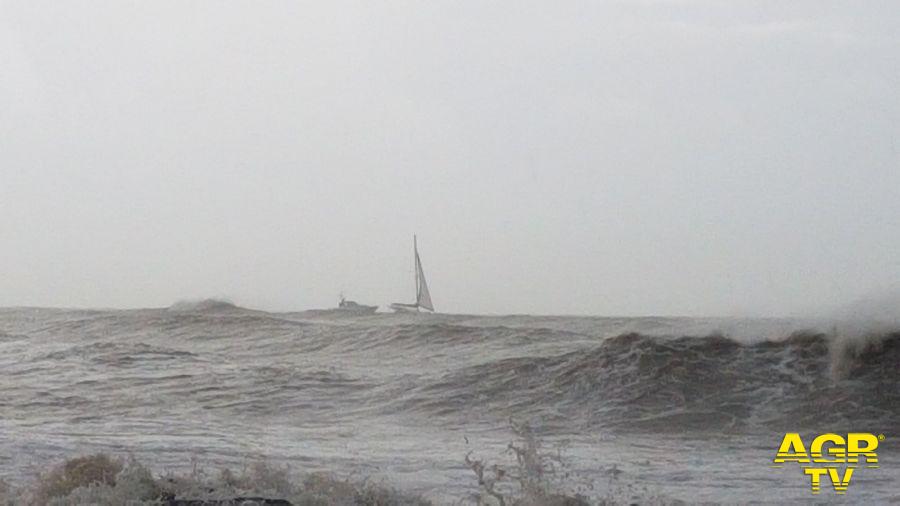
(688, 409)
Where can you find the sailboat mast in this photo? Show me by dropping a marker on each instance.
(416, 268)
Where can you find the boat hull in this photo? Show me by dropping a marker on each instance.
(337, 311)
(353, 307)
(398, 307)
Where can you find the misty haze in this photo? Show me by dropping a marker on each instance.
(519, 253)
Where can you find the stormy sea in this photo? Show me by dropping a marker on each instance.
(433, 408)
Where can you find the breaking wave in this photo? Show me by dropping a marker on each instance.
(635, 381)
(204, 305)
(369, 392)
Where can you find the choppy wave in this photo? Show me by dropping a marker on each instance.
(689, 383)
(204, 305)
(225, 381)
(119, 354)
(481, 370)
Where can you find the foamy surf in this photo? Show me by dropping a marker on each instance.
(404, 400)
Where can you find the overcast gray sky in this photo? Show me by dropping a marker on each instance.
(644, 157)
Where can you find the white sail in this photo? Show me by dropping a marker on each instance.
(423, 297)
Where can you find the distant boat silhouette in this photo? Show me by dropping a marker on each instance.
(345, 308)
(423, 296)
(354, 307)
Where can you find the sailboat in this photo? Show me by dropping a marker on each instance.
(423, 297)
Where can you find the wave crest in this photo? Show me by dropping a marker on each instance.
(685, 383)
(209, 305)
